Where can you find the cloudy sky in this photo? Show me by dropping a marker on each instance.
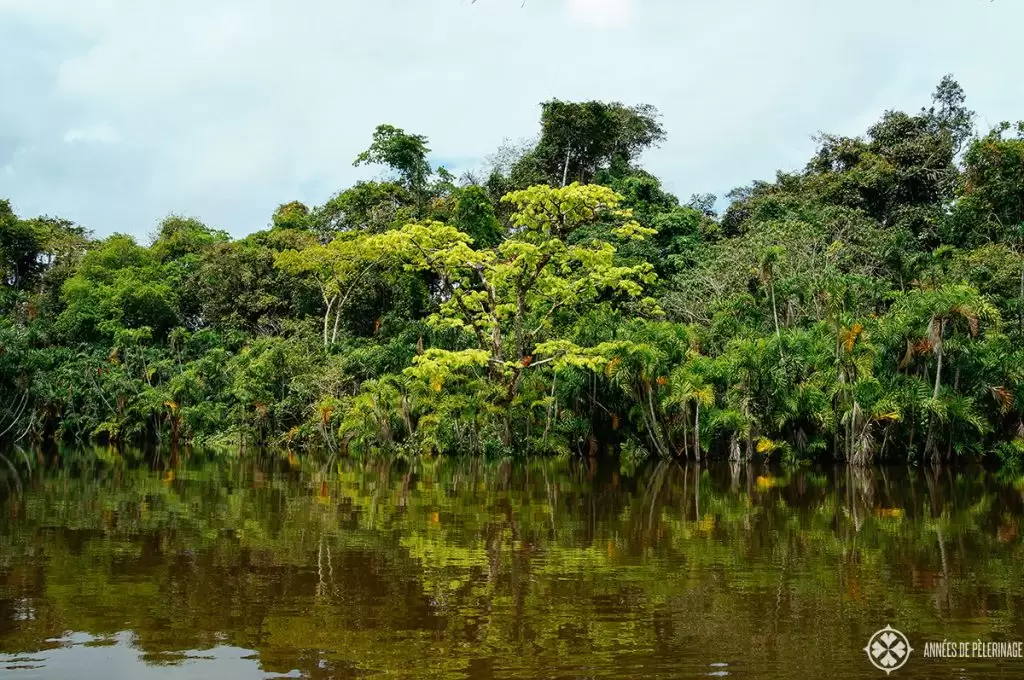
(115, 113)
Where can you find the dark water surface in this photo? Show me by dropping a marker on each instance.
(553, 569)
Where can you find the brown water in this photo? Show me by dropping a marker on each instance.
(555, 569)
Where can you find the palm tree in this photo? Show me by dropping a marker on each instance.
(688, 385)
(952, 318)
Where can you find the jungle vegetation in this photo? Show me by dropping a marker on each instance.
(868, 306)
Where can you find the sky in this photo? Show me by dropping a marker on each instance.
(116, 113)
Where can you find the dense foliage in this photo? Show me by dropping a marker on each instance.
(870, 305)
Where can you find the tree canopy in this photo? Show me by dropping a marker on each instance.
(867, 305)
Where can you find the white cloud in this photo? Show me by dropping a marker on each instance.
(603, 13)
(224, 110)
(101, 133)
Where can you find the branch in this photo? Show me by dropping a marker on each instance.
(455, 293)
(519, 367)
(359, 276)
(344, 299)
(532, 334)
(536, 273)
(21, 410)
(24, 432)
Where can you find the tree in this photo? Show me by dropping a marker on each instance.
(904, 172)
(941, 323)
(404, 153)
(36, 257)
(853, 308)
(578, 139)
(337, 268)
(20, 249)
(515, 302)
(119, 285)
(368, 206)
(531, 276)
(179, 236)
(238, 287)
(948, 115)
(294, 215)
(474, 215)
(991, 201)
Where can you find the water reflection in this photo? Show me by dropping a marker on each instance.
(558, 569)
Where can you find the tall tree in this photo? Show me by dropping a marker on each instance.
(404, 153)
(579, 138)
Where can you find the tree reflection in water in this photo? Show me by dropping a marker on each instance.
(474, 569)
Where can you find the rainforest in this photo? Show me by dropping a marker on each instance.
(561, 301)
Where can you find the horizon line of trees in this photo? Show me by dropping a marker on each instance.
(869, 306)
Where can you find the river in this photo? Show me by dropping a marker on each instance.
(115, 566)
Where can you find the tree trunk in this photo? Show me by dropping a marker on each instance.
(686, 436)
(651, 422)
(547, 419)
(696, 433)
(337, 322)
(407, 415)
(775, 310)
(849, 430)
(775, 314)
(327, 316)
(496, 350)
(663, 429)
(520, 312)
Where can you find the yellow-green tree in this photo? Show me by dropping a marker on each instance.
(513, 297)
(337, 269)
